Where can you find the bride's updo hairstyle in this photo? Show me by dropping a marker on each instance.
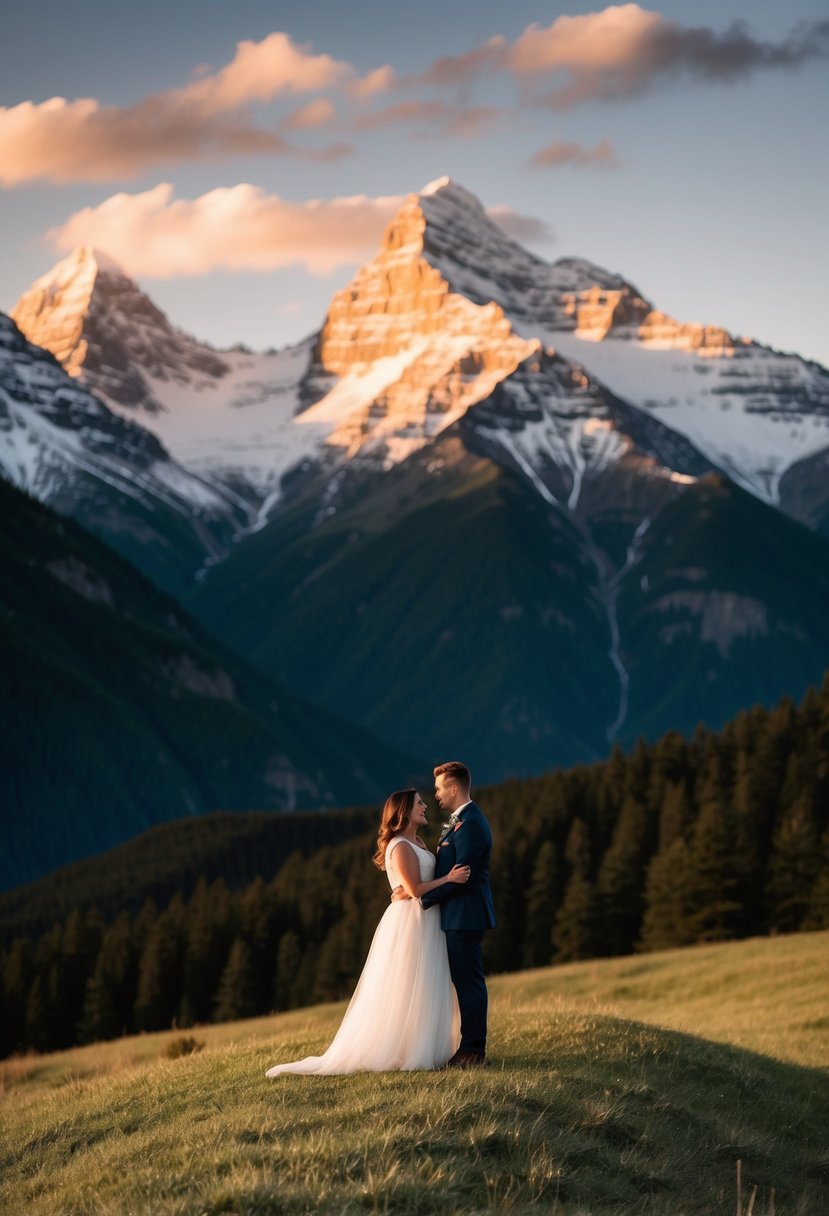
(395, 816)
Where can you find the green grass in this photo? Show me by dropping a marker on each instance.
(583, 1110)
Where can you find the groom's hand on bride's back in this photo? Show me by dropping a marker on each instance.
(399, 893)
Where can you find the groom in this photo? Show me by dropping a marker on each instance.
(466, 909)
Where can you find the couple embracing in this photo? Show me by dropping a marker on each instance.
(421, 1000)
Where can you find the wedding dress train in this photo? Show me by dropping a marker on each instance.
(404, 1011)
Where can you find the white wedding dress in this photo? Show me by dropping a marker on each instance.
(404, 1011)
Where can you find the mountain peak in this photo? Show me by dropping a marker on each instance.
(83, 264)
(448, 190)
(101, 327)
(83, 254)
(438, 184)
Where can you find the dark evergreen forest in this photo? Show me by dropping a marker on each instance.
(721, 836)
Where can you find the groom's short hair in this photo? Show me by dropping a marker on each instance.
(453, 770)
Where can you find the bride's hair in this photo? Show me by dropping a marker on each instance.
(395, 816)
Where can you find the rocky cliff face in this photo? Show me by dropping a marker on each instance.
(66, 447)
(426, 331)
(103, 329)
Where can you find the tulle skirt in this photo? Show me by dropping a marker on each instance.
(404, 1011)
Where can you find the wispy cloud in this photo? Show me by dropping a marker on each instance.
(457, 71)
(617, 53)
(623, 51)
(317, 113)
(243, 228)
(379, 81)
(562, 152)
(66, 141)
(433, 117)
(620, 52)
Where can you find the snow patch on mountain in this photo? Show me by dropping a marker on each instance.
(752, 411)
(55, 436)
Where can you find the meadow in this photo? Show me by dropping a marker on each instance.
(684, 1082)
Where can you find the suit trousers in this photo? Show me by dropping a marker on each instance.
(466, 966)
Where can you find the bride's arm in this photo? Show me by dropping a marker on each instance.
(409, 869)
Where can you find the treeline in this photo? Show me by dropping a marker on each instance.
(172, 857)
(722, 836)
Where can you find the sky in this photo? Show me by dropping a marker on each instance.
(241, 160)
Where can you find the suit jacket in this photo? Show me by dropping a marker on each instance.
(464, 905)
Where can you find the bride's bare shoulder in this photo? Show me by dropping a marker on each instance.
(395, 840)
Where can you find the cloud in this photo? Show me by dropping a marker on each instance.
(231, 228)
(67, 141)
(242, 228)
(439, 118)
(76, 141)
(560, 152)
(460, 70)
(623, 51)
(379, 81)
(317, 113)
(260, 71)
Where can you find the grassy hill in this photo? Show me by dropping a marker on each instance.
(632, 1085)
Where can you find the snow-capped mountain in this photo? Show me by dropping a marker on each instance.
(225, 415)
(98, 324)
(64, 446)
(752, 411)
(490, 472)
(447, 310)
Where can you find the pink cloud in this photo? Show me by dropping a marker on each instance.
(379, 81)
(317, 113)
(232, 228)
(455, 70)
(561, 152)
(65, 141)
(260, 71)
(437, 116)
(623, 50)
(241, 228)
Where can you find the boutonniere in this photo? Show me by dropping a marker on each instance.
(451, 825)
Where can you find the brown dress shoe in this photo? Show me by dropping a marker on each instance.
(466, 1059)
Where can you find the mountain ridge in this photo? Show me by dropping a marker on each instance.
(122, 711)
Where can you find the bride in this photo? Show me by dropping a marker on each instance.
(404, 1012)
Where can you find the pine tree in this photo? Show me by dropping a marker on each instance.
(574, 930)
(288, 958)
(715, 911)
(205, 951)
(81, 942)
(110, 990)
(100, 1017)
(793, 867)
(620, 881)
(666, 922)
(18, 974)
(236, 994)
(817, 916)
(541, 899)
(37, 1023)
(159, 974)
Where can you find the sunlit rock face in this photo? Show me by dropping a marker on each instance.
(410, 354)
(103, 329)
(449, 310)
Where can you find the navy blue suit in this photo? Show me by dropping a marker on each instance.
(466, 912)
